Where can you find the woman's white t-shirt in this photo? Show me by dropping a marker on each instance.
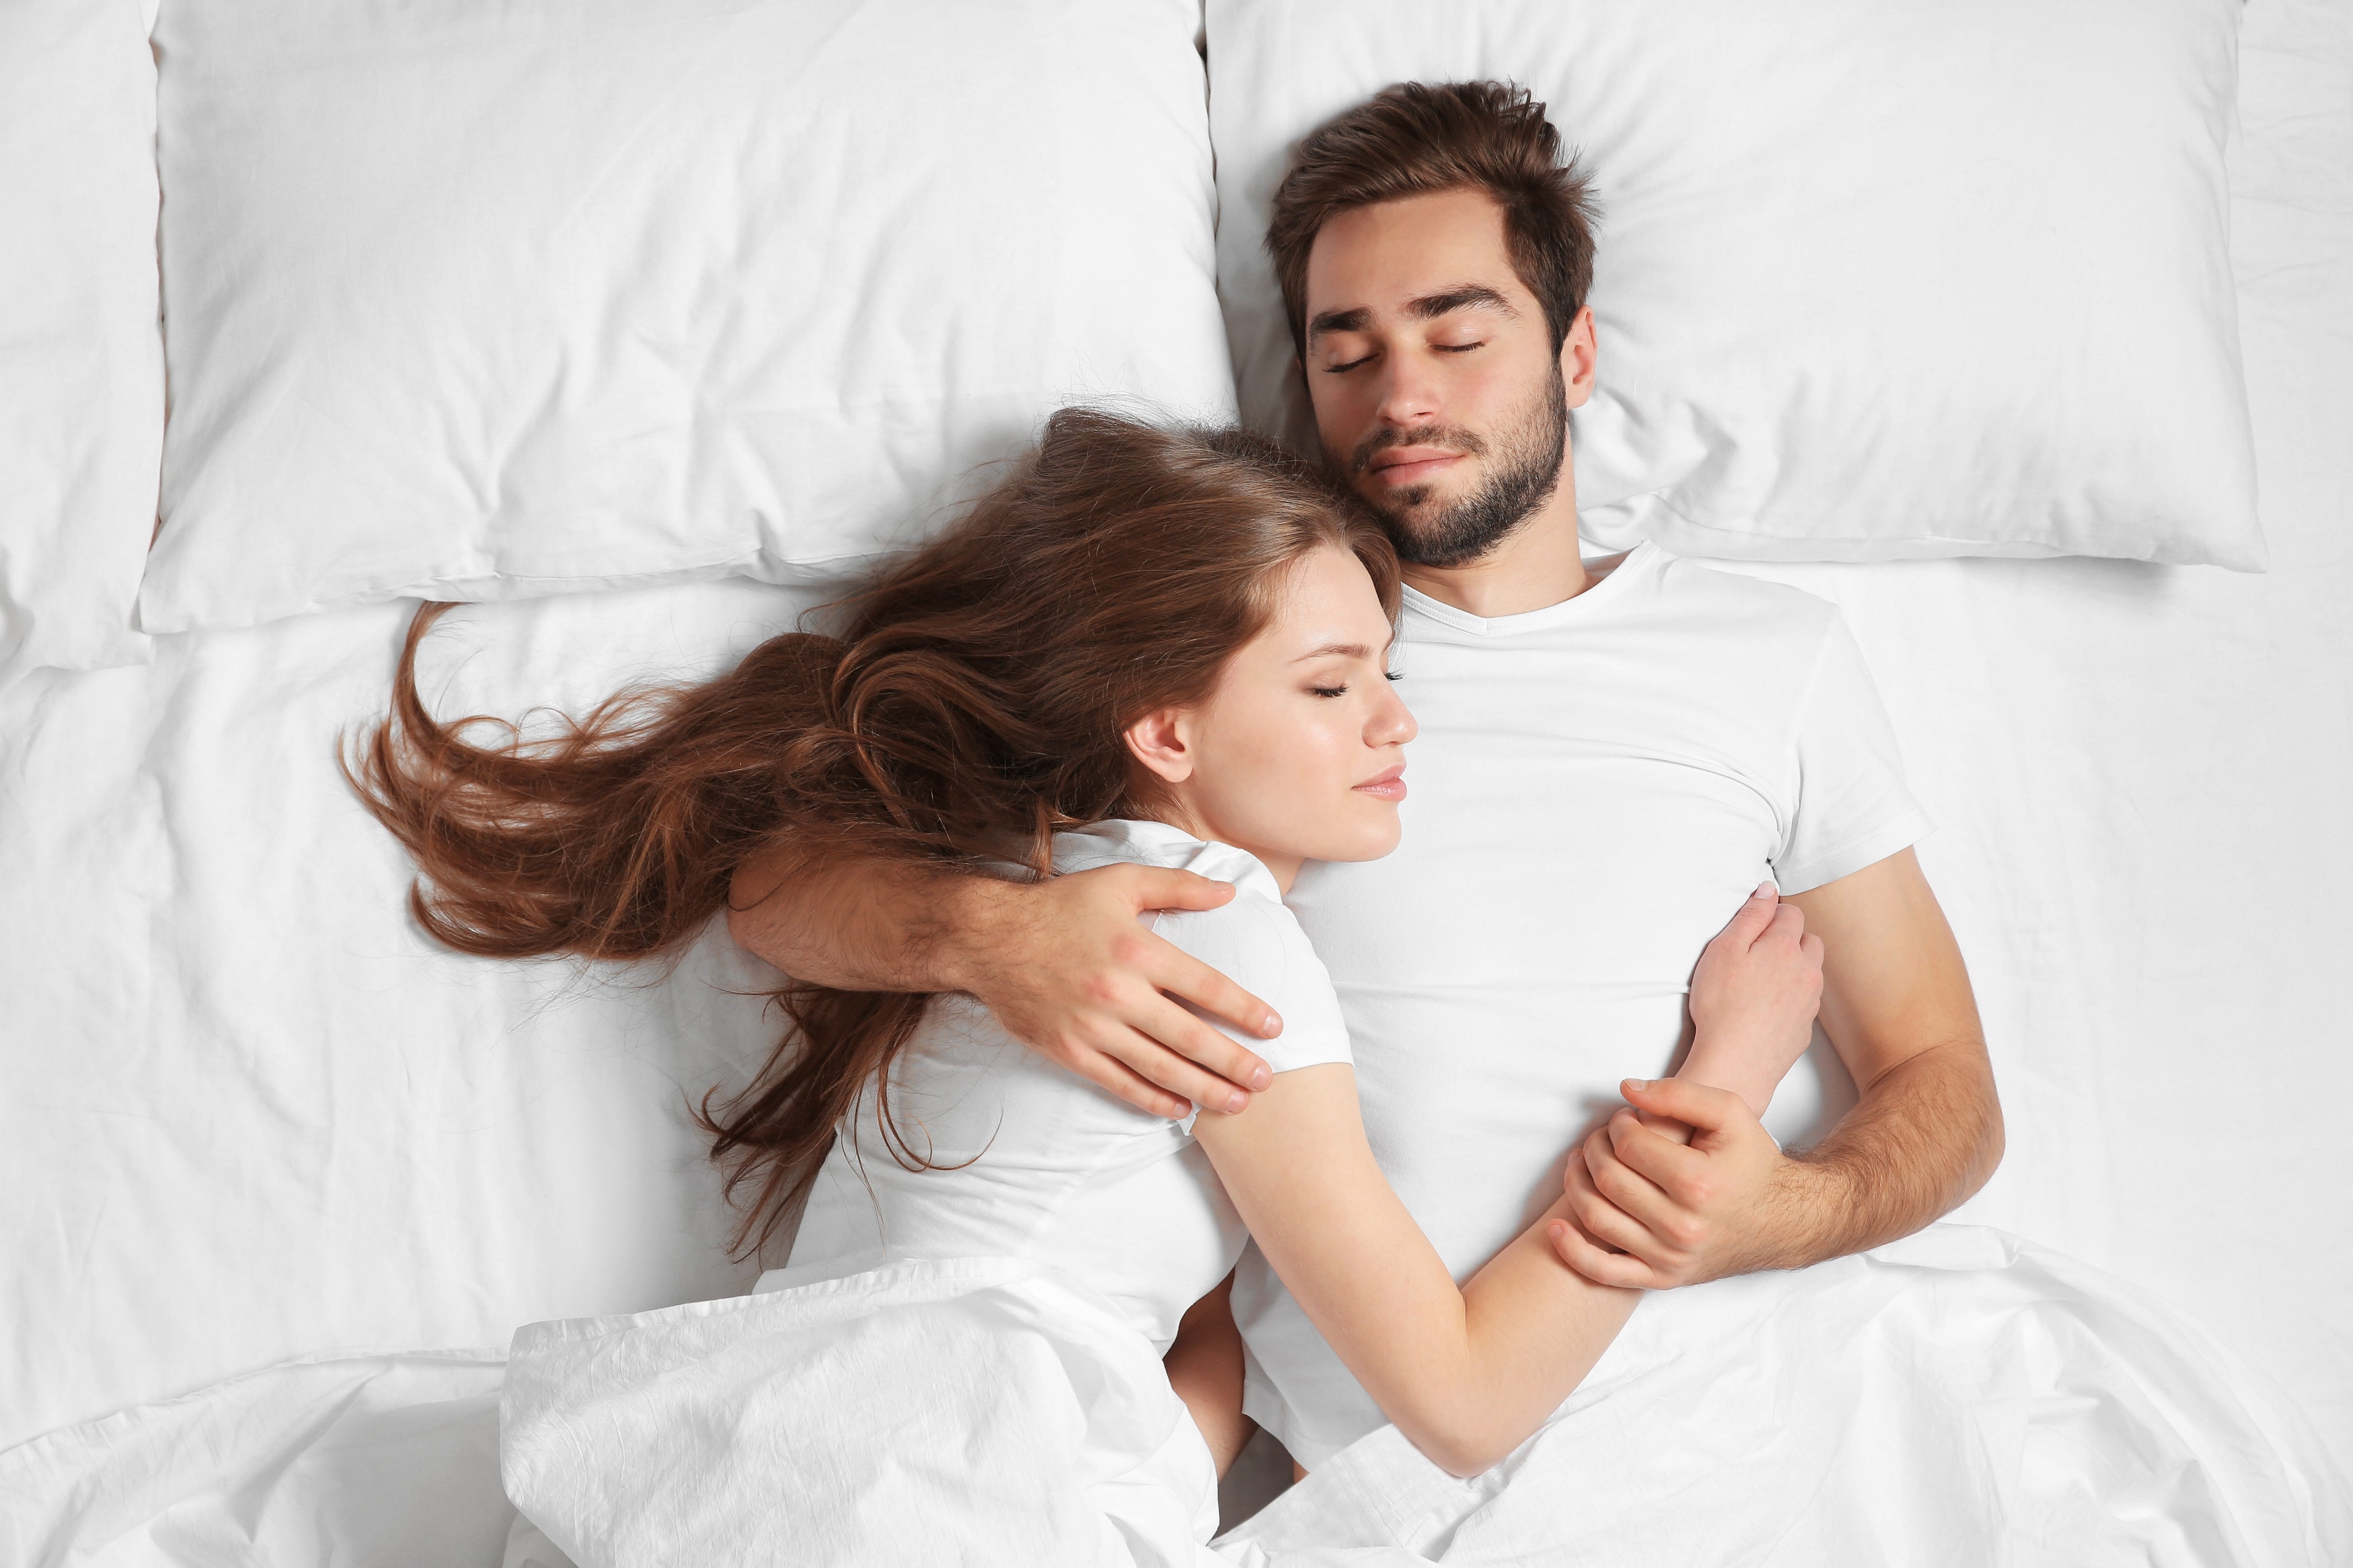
(1025, 1160)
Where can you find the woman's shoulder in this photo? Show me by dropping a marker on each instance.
(1123, 841)
(1257, 944)
(1255, 917)
(1252, 939)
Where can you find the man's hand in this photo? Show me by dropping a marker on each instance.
(1924, 1132)
(1678, 1214)
(1063, 963)
(1071, 971)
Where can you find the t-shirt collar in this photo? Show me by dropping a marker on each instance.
(1639, 562)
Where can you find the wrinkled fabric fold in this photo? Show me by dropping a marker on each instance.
(1960, 1397)
(992, 1404)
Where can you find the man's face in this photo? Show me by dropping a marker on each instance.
(1436, 388)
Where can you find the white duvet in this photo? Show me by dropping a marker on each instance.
(986, 1410)
(1960, 1397)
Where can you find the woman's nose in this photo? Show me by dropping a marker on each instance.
(1393, 723)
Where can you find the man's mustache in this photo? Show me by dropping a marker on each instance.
(1380, 441)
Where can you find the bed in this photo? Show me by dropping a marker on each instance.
(279, 1180)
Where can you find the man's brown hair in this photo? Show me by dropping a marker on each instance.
(1414, 139)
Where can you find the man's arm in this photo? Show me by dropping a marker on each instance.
(1925, 1134)
(1064, 964)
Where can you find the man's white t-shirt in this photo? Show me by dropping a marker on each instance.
(1596, 788)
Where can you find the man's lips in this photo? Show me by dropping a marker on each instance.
(1386, 784)
(1411, 465)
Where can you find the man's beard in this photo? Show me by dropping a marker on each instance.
(1528, 467)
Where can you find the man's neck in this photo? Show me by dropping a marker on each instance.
(1535, 567)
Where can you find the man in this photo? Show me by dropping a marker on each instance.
(1610, 756)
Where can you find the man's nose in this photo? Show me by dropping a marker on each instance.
(1409, 391)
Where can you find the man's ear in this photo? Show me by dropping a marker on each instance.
(1161, 742)
(1579, 358)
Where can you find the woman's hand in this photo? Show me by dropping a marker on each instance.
(1753, 1000)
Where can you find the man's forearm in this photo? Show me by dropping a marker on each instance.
(1925, 1133)
(1066, 965)
(1896, 1002)
(860, 922)
(1922, 1139)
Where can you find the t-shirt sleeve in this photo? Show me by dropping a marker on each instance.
(1257, 944)
(1854, 808)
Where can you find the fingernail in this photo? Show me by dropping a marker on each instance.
(1262, 1078)
(1235, 1102)
(1762, 889)
(1272, 1025)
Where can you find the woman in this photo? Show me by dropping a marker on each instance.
(1144, 644)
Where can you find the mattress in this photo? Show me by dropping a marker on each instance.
(252, 1116)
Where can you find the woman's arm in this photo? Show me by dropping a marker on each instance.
(1468, 1374)
(1205, 1368)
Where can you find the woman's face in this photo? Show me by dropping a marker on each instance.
(1299, 753)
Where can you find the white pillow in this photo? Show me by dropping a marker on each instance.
(480, 301)
(1877, 278)
(81, 356)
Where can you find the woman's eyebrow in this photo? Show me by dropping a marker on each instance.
(1345, 649)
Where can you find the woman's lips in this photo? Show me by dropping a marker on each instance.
(1414, 469)
(1389, 786)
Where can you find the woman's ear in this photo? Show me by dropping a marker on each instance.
(1162, 742)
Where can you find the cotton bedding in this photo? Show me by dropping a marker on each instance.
(254, 1125)
(1959, 1398)
(471, 303)
(81, 394)
(1876, 279)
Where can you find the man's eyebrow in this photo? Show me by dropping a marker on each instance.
(1345, 649)
(1349, 320)
(1428, 308)
(1463, 297)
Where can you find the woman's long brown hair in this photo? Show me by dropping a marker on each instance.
(974, 705)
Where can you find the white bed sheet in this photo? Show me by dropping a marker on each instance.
(250, 1116)
(251, 1113)
(2147, 840)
